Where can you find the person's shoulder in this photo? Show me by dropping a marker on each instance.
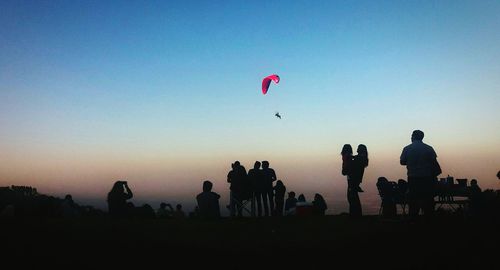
(428, 147)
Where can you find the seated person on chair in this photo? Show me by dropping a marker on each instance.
(388, 192)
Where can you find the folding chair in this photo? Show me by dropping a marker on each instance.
(246, 203)
(391, 195)
(402, 195)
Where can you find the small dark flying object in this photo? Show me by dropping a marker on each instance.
(278, 115)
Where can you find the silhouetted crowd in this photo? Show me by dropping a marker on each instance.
(264, 194)
(23, 201)
(259, 193)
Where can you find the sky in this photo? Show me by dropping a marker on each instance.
(166, 94)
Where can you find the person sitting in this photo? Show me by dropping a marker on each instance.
(179, 214)
(279, 197)
(319, 205)
(69, 209)
(387, 191)
(290, 204)
(208, 202)
(163, 212)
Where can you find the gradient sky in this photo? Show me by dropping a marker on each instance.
(167, 94)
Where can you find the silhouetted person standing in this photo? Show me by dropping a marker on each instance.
(237, 177)
(423, 168)
(352, 184)
(279, 197)
(475, 197)
(117, 199)
(346, 159)
(359, 163)
(260, 189)
(269, 176)
(208, 202)
(255, 179)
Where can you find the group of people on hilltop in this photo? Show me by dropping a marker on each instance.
(422, 166)
(256, 185)
(120, 207)
(300, 207)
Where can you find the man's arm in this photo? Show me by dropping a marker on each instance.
(129, 192)
(403, 159)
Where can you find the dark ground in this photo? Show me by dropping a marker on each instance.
(332, 242)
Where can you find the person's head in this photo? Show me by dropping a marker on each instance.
(279, 183)
(318, 197)
(301, 198)
(291, 194)
(236, 164)
(163, 205)
(417, 135)
(346, 150)
(178, 207)
(265, 164)
(382, 180)
(118, 187)
(207, 186)
(473, 182)
(68, 198)
(256, 165)
(362, 150)
(498, 175)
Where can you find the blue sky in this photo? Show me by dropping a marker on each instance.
(145, 82)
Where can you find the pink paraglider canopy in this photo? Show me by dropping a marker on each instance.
(267, 81)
